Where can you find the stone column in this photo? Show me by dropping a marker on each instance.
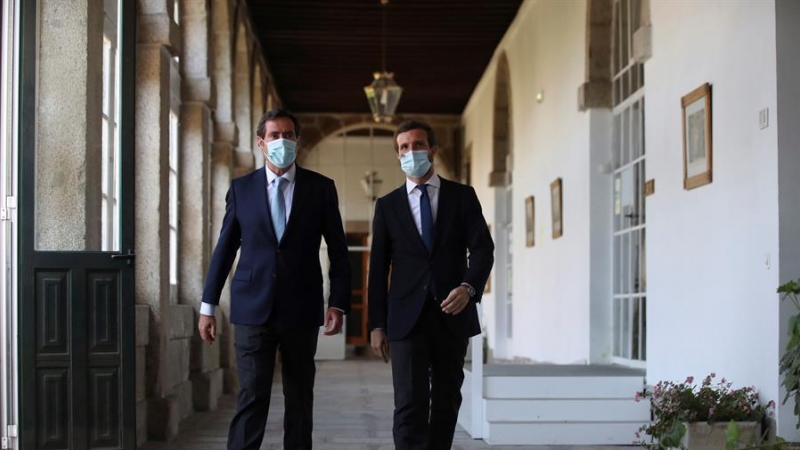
(158, 40)
(198, 99)
(221, 174)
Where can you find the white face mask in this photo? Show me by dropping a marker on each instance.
(281, 152)
(415, 163)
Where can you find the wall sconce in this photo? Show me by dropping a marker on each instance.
(540, 96)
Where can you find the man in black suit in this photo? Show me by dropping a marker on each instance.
(430, 235)
(277, 216)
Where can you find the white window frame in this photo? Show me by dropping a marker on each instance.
(110, 184)
(629, 290)
(174, 178)
(9, 174)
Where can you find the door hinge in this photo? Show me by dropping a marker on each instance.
(11, 435)
(5, 210)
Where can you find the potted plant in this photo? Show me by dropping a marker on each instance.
(698, 417)
(790, 361)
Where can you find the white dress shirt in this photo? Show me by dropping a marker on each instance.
(414, 197)
(207, 309)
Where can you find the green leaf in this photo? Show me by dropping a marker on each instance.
(732, 435)
(673, 438)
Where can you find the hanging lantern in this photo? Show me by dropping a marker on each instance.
(383, 96)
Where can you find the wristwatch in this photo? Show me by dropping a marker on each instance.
(470, 289)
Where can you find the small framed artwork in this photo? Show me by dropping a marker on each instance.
(557, 208)
(696, 114)
(530, 216)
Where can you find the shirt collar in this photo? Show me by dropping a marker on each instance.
(289, 176)
(434, 181)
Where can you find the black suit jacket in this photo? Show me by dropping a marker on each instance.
(463, 251)
(280, 279)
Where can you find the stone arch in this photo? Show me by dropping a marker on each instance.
(596, 91)
(316, 127)
(502, 144)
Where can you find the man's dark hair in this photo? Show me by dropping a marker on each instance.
(409, 125)
(272, 115)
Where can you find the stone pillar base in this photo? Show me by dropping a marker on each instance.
(163, 418)
(207, 388)
(230, 381)
(141, 422)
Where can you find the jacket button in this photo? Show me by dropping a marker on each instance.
(274, 276)
(425, 288)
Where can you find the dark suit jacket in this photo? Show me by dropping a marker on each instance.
(460, 228)
(280, 279)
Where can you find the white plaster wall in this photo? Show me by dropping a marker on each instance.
(346, 160)
(712, 305)
(545, 48)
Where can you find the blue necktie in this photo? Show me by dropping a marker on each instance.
(277, 207)
(426, 214)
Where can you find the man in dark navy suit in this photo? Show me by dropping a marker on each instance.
(431, 236)
(276, 216)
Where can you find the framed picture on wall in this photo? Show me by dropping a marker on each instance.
(530, 216)
(557, 208)
(696, 114)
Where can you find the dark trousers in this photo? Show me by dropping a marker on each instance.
(427, 371)
(256, 347)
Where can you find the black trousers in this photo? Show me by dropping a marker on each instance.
(427, 372)
(256, 347)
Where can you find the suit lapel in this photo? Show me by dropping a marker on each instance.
(443, 212)
(406, 218)
(301, 192)
(262, 202)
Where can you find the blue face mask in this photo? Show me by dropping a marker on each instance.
(415, 163)
(281, 152)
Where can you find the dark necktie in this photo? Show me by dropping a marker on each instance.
(426, 214)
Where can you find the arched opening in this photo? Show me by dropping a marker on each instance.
(500, 179)
(362, 162)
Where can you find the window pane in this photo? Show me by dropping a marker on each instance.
(636, 331)
(617, 327)
(626, 328)
(173, 256)
(75, 179)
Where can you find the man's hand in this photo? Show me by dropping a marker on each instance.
(208, 328)
(333, 322)
(380, 345)
(456, 301)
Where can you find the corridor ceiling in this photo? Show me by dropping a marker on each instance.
(322, 53)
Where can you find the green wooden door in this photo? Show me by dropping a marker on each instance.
(76, 286)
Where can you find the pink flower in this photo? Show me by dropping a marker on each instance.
(638, 396)
(771, 404)
(689, 380)
(713, 374)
